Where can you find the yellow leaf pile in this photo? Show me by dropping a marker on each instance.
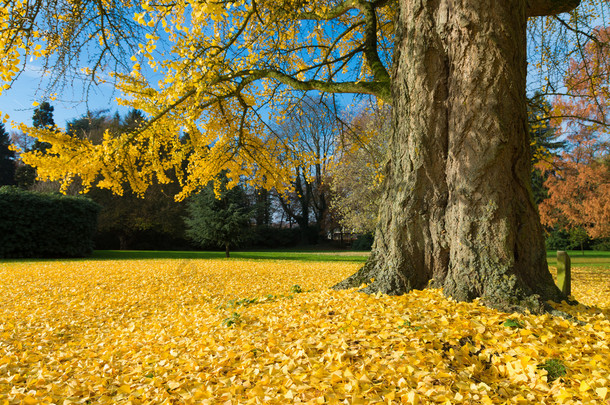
(215, 331)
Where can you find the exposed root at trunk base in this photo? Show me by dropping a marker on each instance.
(376, 280)
(362, 276)
(522, 303)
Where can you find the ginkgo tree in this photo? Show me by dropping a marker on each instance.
(457, 209)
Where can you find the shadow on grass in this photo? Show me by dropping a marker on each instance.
(303, 256)
(264, 255)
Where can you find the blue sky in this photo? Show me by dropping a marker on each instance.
(70, 104)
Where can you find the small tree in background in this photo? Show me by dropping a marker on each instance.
(579, 196)
(223, 221)
(43, 118)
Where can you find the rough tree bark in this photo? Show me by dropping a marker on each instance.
(458, 210)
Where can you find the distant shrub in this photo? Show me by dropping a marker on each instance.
(147, 239)
(364, 242)
(601, 244)
(45, 225)
(557, 239)
(271, 237)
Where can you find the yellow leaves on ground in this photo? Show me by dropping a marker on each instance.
(590, 285)
(213, 331)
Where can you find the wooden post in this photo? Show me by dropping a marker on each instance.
(564, 272)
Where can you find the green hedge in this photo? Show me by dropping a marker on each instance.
(364, 242)
(45, 225)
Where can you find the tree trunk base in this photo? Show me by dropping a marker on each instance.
(507, 296)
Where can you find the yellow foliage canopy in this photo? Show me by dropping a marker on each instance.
(219, 72)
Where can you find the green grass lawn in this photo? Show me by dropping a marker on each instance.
(590, 258)
(587, 258)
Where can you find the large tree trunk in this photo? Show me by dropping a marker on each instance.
(458, 210)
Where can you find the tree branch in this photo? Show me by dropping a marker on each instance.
(537, 8)
(376, 88)
(370, 44)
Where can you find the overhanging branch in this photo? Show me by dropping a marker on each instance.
(375, 88)
(537, 8)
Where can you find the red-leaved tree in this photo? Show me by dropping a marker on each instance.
(579, 186)
(579, 196)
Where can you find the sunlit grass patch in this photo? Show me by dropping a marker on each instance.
(587, 258)
(212, 331)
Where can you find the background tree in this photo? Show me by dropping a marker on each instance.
(43, 115)
(357, 170)
(456, 209)
(42, 118)
(7, 159)
(152, 220)
(308, 130)
(218, 216)
(579, 197)
(544, 144)
(579, 187)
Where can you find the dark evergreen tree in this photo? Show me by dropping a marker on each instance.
(7, 159)
(133, 120)
(223, 222)
(43, 118)
(544, 145)
(25, 175)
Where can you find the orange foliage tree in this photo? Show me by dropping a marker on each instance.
(579, 196)
(585, 105)
(579, 187)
